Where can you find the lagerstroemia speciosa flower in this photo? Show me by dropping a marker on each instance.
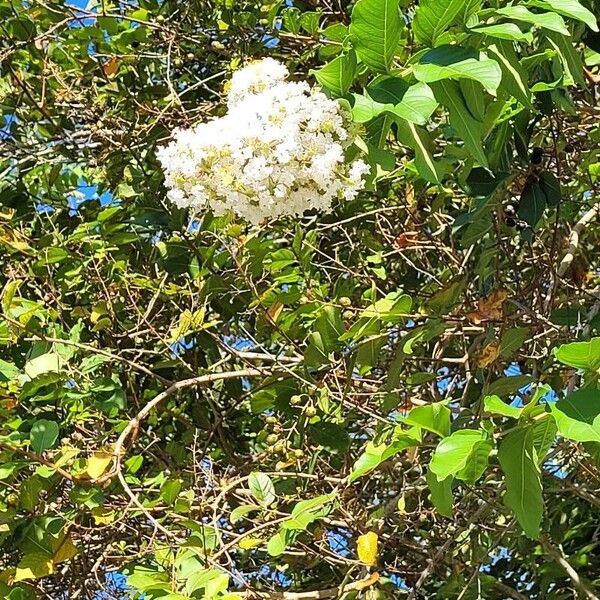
(278, 151)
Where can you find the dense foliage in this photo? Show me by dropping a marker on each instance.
(395, 399)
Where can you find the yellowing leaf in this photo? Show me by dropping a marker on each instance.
(102, 516)
(366, 547)
(490, 308)
(368, 582)
(64, 550)
(489, 354)
(34, 566)
(97, 463)
(249, 542)
(111, 66)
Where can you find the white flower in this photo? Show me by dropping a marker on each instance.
(278, 151)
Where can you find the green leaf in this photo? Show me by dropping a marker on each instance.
(514, 76)
(375, 32)
(454, 452)
(580, 355)
(546, 20)
(433, 17)
(415, 103)
(578, 415)
(455, 62)
(262, 488)
(469, 129)
(170, 489)
(512, 340)
(43, 435)
(519, 462)
(544, 435)
(374, 455)
(532, 203)
(280, 541)
(45, 363)
(508, 385)
(241, 511)
(494, 405)
(551, 188)
(440, 493)
(434, 417)
(8, 371)
(418, 140)
(337, 75)
(569, 8)
(571, 60)
(505, 31)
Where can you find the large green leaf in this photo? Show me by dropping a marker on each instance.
(338, 74)
(375, 32)
(375, 454)
(440, 493)
(580, 355)
(433, 17)
(519, 462)
(468, 129)
(455, 62)
(504, 31)
(578, 415)
(532, 203)
(43, 435)
(514, 76)
(418, 140)
(434, 417)
(453, 453)
(414, 103)
(262, 488)
(546, 20)
(571, 60)
(494, 405)
(569, 8)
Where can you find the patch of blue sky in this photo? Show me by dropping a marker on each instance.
(499, 554)
(193, 226)
(116, 588)
(238, 343)
(83, 18)
(90, 192)
(181, 346)
(8, 120)
(44, 209)
(555, 469)
(268, 573)
(398, 581)
(339, 541)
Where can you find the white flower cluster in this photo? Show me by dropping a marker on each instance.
(278, 151)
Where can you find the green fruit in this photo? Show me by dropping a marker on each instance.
(296, 399)
(345, 301)
(271, 420)
(298, 453)
(347, 315)
(279, 447)
(309, 411)
(272, 439)
(160, 19)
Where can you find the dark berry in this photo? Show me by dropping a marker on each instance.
(510, 222)
(521, 226)
(509, 210)
(536, 156)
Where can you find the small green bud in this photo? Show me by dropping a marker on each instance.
(309, 411)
